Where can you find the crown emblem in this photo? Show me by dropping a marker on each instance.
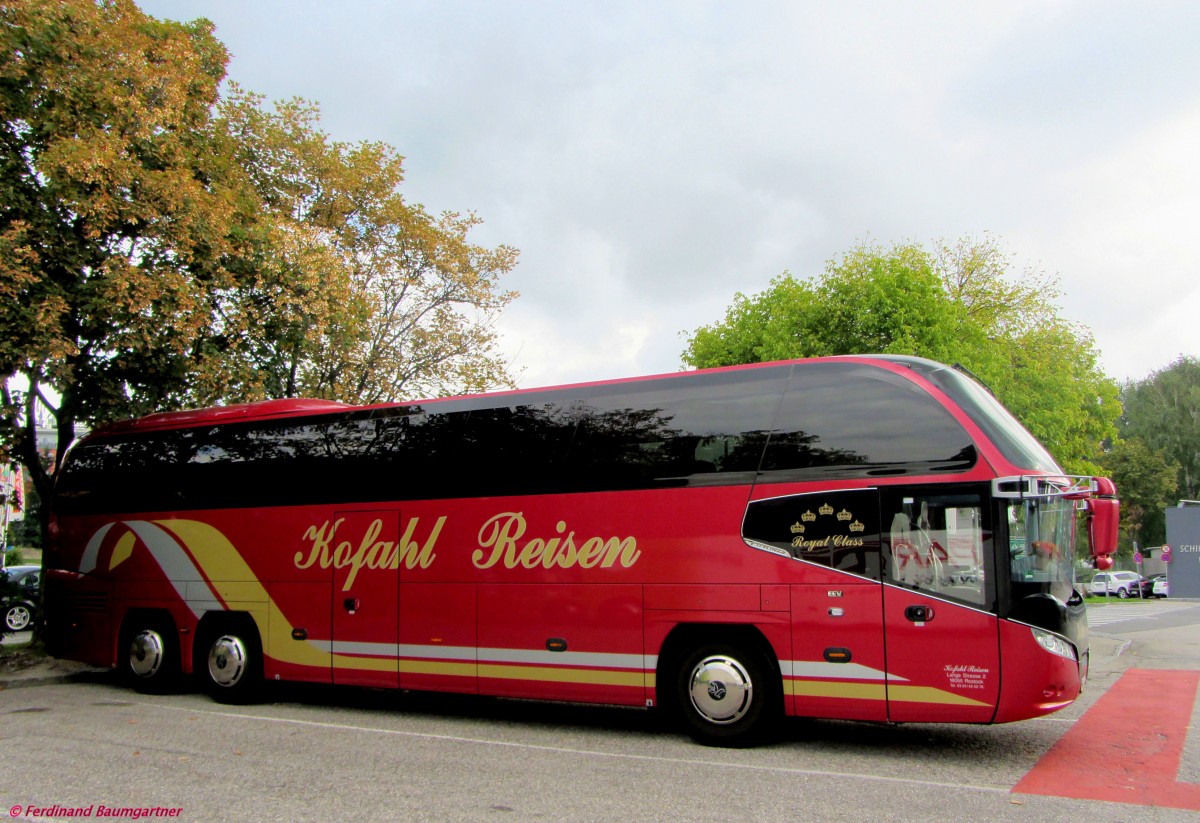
(808, 516)
(857, 527)
(826, 509)
(797, 528)
(844, 515)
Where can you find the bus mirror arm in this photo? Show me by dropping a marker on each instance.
(1095, 496)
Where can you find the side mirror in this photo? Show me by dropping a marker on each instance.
(1104, 519)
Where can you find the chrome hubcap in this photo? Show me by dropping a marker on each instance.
(720, 689)
(146, 653)
(227, 660)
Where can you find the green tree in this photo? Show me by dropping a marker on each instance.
(1146, 479)
(957, 303)
(1164, 411)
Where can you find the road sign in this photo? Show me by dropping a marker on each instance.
(1166, 554)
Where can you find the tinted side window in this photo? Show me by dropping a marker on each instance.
(694, 429)
(940, 542)
(690, 430)
(504, 450)
(852, 420)
(839, 529)
(108, 475)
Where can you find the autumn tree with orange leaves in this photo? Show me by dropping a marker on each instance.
(163, 246)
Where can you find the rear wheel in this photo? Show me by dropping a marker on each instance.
(1123, 593)
(231, 668)
(728, 694)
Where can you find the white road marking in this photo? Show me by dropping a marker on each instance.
(1119, 613)
(478, 741)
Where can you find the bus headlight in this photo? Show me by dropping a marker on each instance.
(1055, 644)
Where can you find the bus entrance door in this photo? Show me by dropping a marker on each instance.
(943, 646)
(365, 598)
(943, 659)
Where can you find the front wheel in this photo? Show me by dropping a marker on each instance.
(728, 695)
(232, 665)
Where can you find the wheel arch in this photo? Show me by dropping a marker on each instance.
(685, 637)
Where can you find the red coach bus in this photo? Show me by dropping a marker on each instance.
(870, 538)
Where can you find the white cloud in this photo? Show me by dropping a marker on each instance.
(650, 160)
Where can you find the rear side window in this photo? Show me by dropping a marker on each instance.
(696, 429)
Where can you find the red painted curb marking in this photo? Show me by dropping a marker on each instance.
(1127, 747)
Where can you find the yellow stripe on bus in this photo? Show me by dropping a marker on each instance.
(876, 691)
(547, 674)
(437, 667)
(928, 694)
(826, 688)
(556, 675)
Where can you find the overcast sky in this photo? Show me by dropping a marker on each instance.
(652, 159)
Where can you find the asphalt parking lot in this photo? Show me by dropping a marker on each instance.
(334, 754)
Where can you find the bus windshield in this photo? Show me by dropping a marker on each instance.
(1041, 542)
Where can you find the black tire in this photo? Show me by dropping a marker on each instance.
(229, 663)
(1123, 593)
(18, 617)
(149, 650)
(728, 694)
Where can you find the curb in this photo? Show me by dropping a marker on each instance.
(26, 681)
(1120, 643)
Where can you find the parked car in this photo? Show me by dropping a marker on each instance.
(1122, 584)
(19, 595)
(1148, 585)
(1161, 588)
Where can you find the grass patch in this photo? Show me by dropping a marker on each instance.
(1104, 601)
(19, 657)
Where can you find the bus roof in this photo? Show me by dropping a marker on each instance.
(303, 407)
(224, 414)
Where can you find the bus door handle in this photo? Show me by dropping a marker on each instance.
(919, 614)
(351, 604)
